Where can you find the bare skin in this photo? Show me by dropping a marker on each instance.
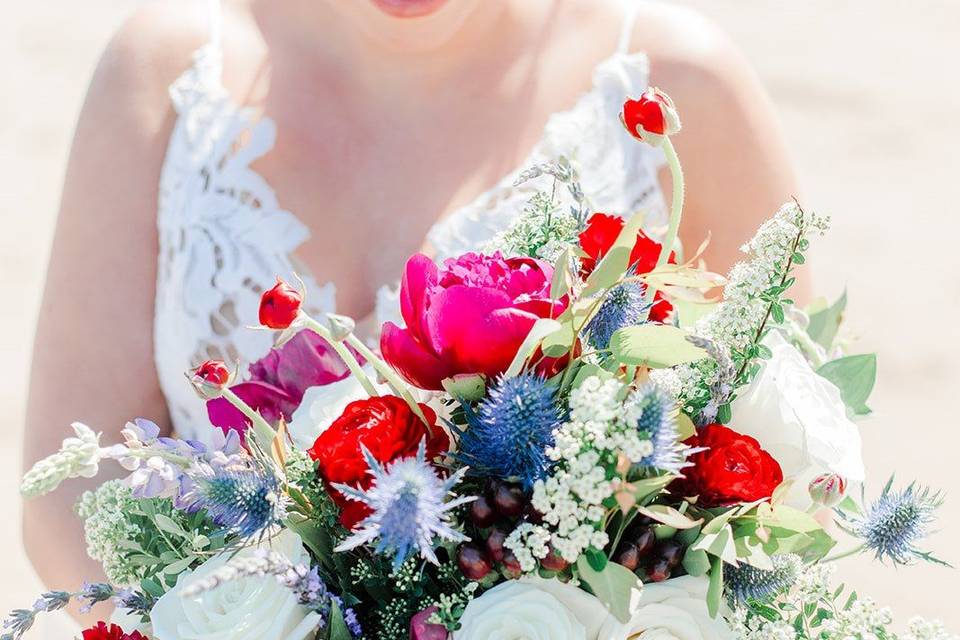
(385, 125)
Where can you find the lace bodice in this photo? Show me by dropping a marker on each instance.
(224, 237)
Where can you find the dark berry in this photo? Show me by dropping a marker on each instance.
(511, 566)
(508, 499)
(671, 552)
(553, 562)
(658, 571)
(644, 540)
(473, 562)
(495, 544)
(482, 513)
(627, 555)
(532, 515)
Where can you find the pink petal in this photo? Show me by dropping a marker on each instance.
(492, 343)
(454, 313)
(411, 359)
(307, 360)
(419, 274)
(420, 629)
(272, 403)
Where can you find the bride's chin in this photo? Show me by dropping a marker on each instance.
(409, 8)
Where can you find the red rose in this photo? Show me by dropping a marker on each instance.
(601, 232)
(387, 427)
(732, 469)
(101, 632)
(280, 306)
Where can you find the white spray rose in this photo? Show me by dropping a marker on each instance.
(533, 609)
(321, 406)
(250, 608)
(799, 417)
(671, 610)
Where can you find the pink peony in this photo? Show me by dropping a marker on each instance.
(420, 629)
(470, 316)
(278, 381)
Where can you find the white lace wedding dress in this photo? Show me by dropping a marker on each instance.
(224, 237)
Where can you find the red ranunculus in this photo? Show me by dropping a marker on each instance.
(468, 316)
(280, 305)
(731, 469)
(389, 430)
(651, 117)
(601, 232)
(213, 372)
(101, 631)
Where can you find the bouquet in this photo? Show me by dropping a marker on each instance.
(568, 437)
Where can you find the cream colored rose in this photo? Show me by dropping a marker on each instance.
(532, 609)
(254, 608)
(800, 419)
(671, 610)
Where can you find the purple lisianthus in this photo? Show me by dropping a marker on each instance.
(277, 381)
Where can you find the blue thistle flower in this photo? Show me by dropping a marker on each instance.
(657, 422)
(243, 501)
(897, 521)
(509, 433)
(624, 306)
(409, 508)
(746, 583)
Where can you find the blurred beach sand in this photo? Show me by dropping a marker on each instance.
(868, 96)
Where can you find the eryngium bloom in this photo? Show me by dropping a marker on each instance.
(408, 499)
(897, 521)
(624, 306)
(747, 583)
(656, 420)
(243, 501)
(508, 435)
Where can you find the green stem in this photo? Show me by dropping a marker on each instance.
(845, 554)
(261, 428)
(345, 354)
(385, 370)
(676, 208)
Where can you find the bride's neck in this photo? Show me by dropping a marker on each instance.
(379, 49)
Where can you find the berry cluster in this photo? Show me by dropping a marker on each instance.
(650, 557)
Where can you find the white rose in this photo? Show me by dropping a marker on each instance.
(253, 608)
(321, 406)
(799, 417)
(671, 610)
(533, 609)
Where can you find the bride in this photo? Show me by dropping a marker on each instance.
(220, 147)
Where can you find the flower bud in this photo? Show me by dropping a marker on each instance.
(210, 378)
(280, 306)
(650, 118)
(827, 490)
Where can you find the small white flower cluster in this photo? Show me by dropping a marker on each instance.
(78, 457)
(747, 627)
(733, 325)
(865, 619)
(921, 629)
(108, 530)
(601, 427)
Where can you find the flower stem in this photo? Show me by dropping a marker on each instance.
(845, 554)
(676, 208)
(261, 428)
(395, 381)
(345, 354)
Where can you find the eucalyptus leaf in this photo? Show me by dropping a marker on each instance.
(167, 524)
(562, 280)
(654, 345)
(715, 591)
(616, 261)
(696, 562)
(178, 567)
(469, 387)
(618, 588)
(855, 376)
(540, 330)
(825, 322)
(669, 516)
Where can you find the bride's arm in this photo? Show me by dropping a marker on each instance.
(737, 168)
(93, 351)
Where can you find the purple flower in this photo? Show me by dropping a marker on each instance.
(278, 381)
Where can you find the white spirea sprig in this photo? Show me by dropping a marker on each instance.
(78, 457)
(601, 427)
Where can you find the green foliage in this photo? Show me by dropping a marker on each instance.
(654, 345)
(855, 376)
(617, 587)
(825, 321)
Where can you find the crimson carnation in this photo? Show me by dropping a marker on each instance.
(388, 429)
(101, 631)
(731, 468)
(597, 239)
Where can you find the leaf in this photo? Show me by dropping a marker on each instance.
(715, 592)
(178, 567)
(338, 628)
(654, 345)
(467, 387)
(696, 562)
(685, 427)
(540, 330)
(597, 559)
(682, 276)
(669, 516)
(855, 377)
(562, 280)
(616, 587)
(614, 264)
(825, 322)
(165, 523)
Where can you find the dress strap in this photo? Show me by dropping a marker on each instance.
(630, 11)
(215, 20)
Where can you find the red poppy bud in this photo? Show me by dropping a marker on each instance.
(650, 118)
(828, 489)
(280, 306)
(210, 379)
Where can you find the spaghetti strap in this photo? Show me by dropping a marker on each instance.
(630, 10)
(215, 20)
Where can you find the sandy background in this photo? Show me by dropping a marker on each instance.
(868, 95)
